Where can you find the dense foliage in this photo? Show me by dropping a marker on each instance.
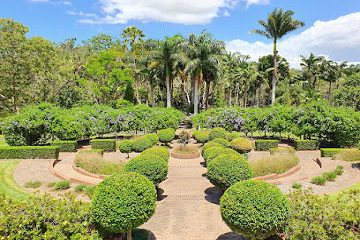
(242, 145)
(123, 202)
(66, 146)
(109, 145)
(36, 125)
(166, 135)
(315, 120)
(265, 145)
(254, 209)
(29, 152)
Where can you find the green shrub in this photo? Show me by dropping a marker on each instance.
(166, 135)
(65, 146)
(152, 166)
(339, 170)
(154, 138)
(217, 133)
(215, 152)
(45, 217)
(284, 150)
(61, 185)
(126, 146)
(254, 209)
(201, 136)
(330, 152)
(88, 190)
(297, 186)
(323, 217)
(32, 184)
(184, 137)
(278, 163)
(266, 145)
(222, 141)
(302, 145)
(348, 155)
(232, 135)
(318, 180)
(123, 202)
(330, 176)
(140, 144)
(227, 169)
(109, 145)
(242, 145)
(29, 152)
(158, 150)
(210, 145)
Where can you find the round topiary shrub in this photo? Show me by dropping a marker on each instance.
(222, 141)
(210, 145)
(126, 146)
(228, 169)
(217, 133)
(123, 202)
(154, 138)
(201, 136)
(158, 150)
(140, 144)
(254, 209)
(242, 145)
(152, 166)
(209, 151)
(232, 135)
(166, 135)
(212, 154)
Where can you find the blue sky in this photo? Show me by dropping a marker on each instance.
(332, 26)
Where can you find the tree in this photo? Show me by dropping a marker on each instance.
(278, 24)
(311, 67)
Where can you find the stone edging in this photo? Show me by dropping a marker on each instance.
(86, 173)
(185, 156)
(288, 173)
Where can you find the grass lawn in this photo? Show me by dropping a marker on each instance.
(7, 184)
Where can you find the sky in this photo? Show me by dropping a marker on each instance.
(332, 27)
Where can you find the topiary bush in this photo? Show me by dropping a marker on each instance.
(126, 146)
(242, 145)
(209, 145)
(303, 145)
(140, 144)
(158, 150)
(265, 145)
(254, 209)
(232, 135)
(29, 152)
(109, 145)
(65, 146)
(166, 135)
(154, 138)
(152, 166)
(123, 202)
(222, 141)
(201, 136)
(217, 133)
(228, 169)
(212, 153)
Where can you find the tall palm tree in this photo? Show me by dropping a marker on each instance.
(329, 73)
(133, 36)
(311, 67)
(278, 24)
(201, 56)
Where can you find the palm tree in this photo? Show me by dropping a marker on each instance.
(200, 57)
(133, 36)
(329, 73)
(278, 24)
(311, 67)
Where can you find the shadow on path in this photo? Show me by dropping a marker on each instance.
(230, 236)
(160, 194)
(213, 194)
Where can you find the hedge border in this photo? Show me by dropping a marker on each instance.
(265, 145)
(29, 152)
(109, 145)
(65, 146)
(303, 145)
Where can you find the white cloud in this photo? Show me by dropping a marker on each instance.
(256, 2)
(39, 1)
(171, 11)
(81, 14)
(337, 39)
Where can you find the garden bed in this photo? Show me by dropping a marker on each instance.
(185, 152)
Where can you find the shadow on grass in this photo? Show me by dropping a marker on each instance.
(213, 194)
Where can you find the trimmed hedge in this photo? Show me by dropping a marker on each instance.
(254, 209)
(265, 145)
(222, 141)
(242, 145)
(126, 146)
(217, 133)
(232, 135)
(166, 135)
(330, 152)
(201, 136)
(29, 152)
(302, 145)
(210, 145)
(109, 145)
(140, 144)
(214, 152)
(65, 146)
(161, 151)
(228, 169)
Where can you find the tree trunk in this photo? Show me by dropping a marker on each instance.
(196, 95)
(129, 236)
(330, 83)
(207, 90)
(275, 76)
(168, 94)
(152, 94)
(230, 97)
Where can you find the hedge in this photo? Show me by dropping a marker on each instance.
(212, 153)
(140, 144)
(29, 152)
(330, 152)
(65, 146)
(302, 145)
(265, 145)
(109, 145)
(217, 133)
(166, 135)
(201, 136)
(242, 145)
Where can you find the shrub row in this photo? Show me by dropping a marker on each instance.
(328, 176)
(65, 146)
(301, 145)
(36, 125)
(265, 145)
(29, 152)
(332, 126)
(109, 145)
(138, 144)
(330, 152)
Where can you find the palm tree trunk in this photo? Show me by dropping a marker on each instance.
(230, 97)
(196, 95)
(275, 76)
(168, 94)
(207, 90)
(129, 236)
